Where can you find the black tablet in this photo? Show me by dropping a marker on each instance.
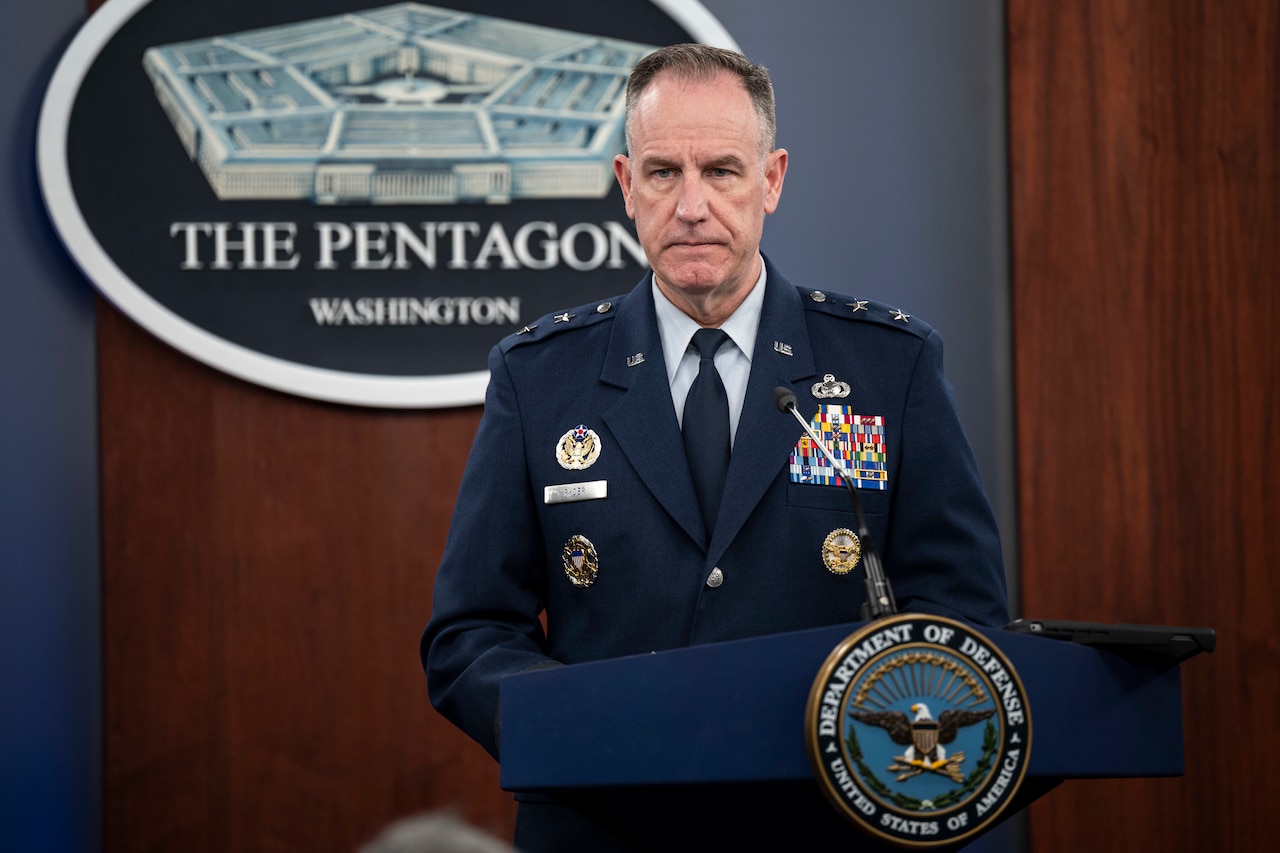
(1162, 642)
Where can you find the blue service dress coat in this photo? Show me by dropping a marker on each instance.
(660, 580)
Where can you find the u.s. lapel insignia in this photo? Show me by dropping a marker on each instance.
(841, 551)
(780, 347)
(581, 563)
(829, 388)
(578, 448)
(634, 360)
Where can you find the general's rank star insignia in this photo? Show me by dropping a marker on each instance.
(565, 317)
(898, 314)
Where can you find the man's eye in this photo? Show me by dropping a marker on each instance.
(662, 173)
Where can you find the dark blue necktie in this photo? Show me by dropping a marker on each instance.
(706, 426)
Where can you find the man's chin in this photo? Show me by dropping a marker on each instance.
(692, 285)
(693, 278)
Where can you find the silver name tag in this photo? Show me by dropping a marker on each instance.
(569, 492)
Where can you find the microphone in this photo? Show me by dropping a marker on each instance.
(879, 601)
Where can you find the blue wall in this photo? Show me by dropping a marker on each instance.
(893, 111)
(50, 670)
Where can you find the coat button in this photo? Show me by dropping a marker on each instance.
(715, 578)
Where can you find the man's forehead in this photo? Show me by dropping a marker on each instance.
(671, 110)
(678, 82)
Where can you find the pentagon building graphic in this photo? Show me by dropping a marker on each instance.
(402, 104)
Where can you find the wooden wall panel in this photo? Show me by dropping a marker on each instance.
(267, 570)
(1145, 211)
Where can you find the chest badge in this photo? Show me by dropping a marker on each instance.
(581, 563)
(841, 551)
(579, 448)
(829, 388)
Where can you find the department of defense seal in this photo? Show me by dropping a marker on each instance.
(918, 730)
(578, 448)
(581, 563)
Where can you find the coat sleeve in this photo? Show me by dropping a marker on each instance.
(491, 585)
(942, 552)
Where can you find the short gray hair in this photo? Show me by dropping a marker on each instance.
(703, 62)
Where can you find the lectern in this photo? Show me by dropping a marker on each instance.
(705, 719)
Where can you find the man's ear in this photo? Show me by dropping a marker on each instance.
(622, 171)
(775, 171)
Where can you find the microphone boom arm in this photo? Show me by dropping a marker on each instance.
(880, 602)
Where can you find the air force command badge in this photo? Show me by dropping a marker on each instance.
(918, 731)
(578, 448)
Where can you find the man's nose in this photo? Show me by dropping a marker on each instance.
(692, 204)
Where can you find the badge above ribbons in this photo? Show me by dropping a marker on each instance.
(918, 731)
(858, 441)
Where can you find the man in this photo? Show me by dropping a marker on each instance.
(581, 498)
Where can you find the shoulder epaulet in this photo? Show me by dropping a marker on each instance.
(863, 311)
(563, 321)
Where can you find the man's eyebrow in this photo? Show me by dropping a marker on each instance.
(726, 161)
(658, 162)
(730, 161)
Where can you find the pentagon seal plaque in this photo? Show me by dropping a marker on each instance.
(918, 730)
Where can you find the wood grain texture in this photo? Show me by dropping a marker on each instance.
(1145, 211)
(267, 571)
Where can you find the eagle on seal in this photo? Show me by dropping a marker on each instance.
(924, 736)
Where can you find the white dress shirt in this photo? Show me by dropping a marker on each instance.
(733, 361)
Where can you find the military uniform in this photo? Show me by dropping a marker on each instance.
(577, 497)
